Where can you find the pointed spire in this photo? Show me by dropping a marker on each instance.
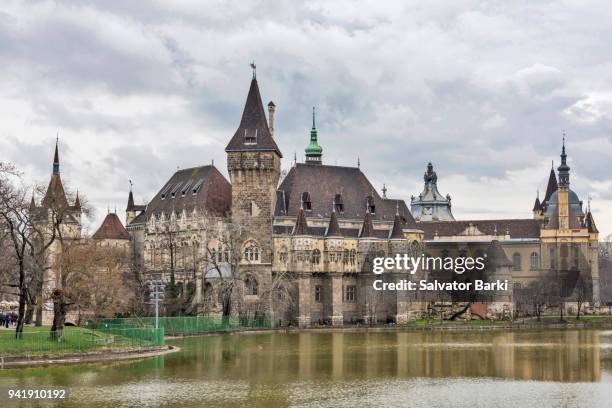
(253, 132)
(333, 229)
(537, 206)
(32, 203)
(77, 202)
(367, 229)
(130, 203)
(384, 191)
(396, 231)
(563, 169)
(313, 151)
(552, 185)
(358, 163)
(301, 226)
(56, 157)
(590, 223)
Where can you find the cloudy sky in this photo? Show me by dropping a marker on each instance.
(482, 89)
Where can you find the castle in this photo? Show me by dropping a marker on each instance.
(302, 246)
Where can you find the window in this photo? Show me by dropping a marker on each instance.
(318, 293)
(349, 294)
(213, 255)
(346, 256)
(534, 261)
(175, 189)
(250, 138)
(338, 204)
(306, 203)
(196, 187)
(516, 261)
(575, 256)
(283, 256)
(352, 255)
(251, 286)
(186, 188)
(251, 253)
(316, 256)
(370, 204)
(553, 258)
(165, 191)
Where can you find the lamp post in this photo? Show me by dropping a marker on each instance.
(156, 295)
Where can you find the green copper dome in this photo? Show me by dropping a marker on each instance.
(313, 151)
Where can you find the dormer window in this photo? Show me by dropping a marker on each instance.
(306, 203)
(165, 191)
(197, 186)
(338, 204)
(370, 204)
(175, 190)
(250, 138)
(186, 188)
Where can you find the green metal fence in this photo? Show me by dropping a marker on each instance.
(78, 340)
(192, 324)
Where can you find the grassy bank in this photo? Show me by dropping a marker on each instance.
(37, 341)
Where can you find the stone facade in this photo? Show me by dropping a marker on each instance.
(319, 229)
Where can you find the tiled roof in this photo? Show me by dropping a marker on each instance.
(328, 184)
(517, 228)
(301, 227)
(253, 133)
(333, 229)
(203, 188)
(111, 228)
(367, 229)
(55, 196)
(537, 206)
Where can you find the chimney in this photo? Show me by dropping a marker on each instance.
(271, 109)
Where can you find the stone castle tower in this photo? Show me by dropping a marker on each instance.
(253, 163)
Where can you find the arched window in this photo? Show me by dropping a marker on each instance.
(251, 252)
(516, 261)
(534, 261)
(250, 285)
(316, 256)
(283, 256)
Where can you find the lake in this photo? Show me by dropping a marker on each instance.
(570, 368)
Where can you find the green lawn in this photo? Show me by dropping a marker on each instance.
(36, 341)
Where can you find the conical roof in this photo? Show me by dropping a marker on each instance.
(301, 227)
(111, 228)
(333, 229)
(396, 231)
(552, 185)
(496, 255)
(253, 133)
(537, 206)
(130, 203)
(367, 229)
(590, 222)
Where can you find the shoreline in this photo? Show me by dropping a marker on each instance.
(406, 329)
(11, 362)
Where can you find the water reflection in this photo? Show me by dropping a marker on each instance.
(571, 368)
(565, 356)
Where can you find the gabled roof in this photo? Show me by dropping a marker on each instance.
(203, 188)
(111, 228)
(253, 124)
(347, 186)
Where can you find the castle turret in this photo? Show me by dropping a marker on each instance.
(253, 163)
(314, 152)
(431, 205)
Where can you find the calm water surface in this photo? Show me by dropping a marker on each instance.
(428, 369)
